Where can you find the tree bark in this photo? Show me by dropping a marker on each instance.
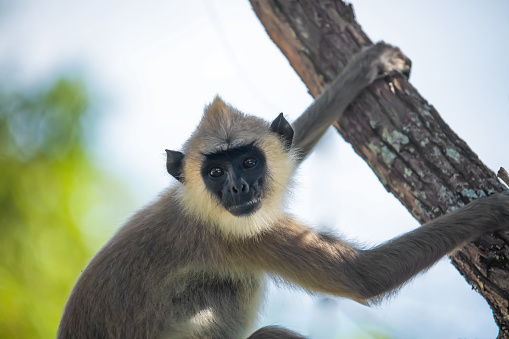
(414, 153)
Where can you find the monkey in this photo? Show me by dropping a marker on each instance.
(192, 264)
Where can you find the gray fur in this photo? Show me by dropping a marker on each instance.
(170, 272)
(219, 132)
(157, 272)
(161, 269)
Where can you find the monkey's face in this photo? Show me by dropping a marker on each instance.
(236, 178)
(234, 170)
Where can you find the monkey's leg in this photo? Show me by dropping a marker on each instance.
(365, 67)
(275, 332)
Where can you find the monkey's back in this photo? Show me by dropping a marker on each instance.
(163, 274)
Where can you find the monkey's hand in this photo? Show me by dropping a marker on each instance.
(484, 215)
(496, 206)
(381, 60)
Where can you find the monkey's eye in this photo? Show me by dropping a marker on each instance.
(216, 172)
(250, 162)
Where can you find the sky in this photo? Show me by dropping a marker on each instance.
(152, 66)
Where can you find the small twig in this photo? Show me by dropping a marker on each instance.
(502, 174)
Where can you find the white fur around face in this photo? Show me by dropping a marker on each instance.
(223, 127)
(199, 202)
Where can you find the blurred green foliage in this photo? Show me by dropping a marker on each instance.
(49, 197)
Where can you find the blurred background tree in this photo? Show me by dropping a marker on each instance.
(53, 214)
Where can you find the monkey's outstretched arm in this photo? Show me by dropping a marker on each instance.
(368, 65)
(325, 264)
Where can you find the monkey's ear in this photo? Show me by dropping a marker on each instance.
(284, 129)
(175, 164)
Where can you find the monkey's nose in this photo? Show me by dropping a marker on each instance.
(239, 186)
(242, 188)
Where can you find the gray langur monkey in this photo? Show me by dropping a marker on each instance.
(192, 263)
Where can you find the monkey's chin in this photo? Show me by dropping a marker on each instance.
(246, 209)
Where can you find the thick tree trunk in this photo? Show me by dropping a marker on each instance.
(403, 139)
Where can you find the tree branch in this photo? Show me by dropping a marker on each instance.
(414, 153)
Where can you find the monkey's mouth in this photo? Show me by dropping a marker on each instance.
(245, 209)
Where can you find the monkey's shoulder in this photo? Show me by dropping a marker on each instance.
(162, 233)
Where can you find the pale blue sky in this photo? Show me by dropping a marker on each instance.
(157, 63)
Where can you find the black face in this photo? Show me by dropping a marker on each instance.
(236, 178)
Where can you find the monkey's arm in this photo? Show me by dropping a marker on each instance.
(325, 264)
(365, 67)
